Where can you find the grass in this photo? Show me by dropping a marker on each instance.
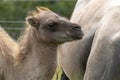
(57, 74)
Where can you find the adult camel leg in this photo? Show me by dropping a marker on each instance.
(104, 60)
(81, 50)
(79, 6)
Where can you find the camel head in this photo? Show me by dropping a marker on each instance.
(53, 28)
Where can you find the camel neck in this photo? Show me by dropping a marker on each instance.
(40, 61)
(30, 45)
(87, 17)
(36, 58)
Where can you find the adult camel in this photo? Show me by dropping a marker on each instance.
(74, 55)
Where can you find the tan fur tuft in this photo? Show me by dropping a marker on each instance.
(38, 10)
(43, 9)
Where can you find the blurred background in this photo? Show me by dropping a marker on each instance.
(14, 12)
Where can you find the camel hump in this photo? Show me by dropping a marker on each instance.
(8, 47)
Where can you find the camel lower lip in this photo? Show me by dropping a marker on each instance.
(77, 38)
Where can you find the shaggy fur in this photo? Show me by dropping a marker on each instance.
(34, 56)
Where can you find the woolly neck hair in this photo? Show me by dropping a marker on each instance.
(28, 37)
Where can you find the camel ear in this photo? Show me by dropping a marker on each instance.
(32, 21)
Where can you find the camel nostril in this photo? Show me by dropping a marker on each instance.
(76, 28)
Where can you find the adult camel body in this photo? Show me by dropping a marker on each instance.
(34, 58)
(104, 60)
(74, 55)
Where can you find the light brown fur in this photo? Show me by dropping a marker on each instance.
(34, 56)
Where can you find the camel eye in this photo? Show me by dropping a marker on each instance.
(52, 26)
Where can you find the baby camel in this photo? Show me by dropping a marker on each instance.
(34, 58)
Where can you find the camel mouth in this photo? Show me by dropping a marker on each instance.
(69, 38)
(76, 36)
